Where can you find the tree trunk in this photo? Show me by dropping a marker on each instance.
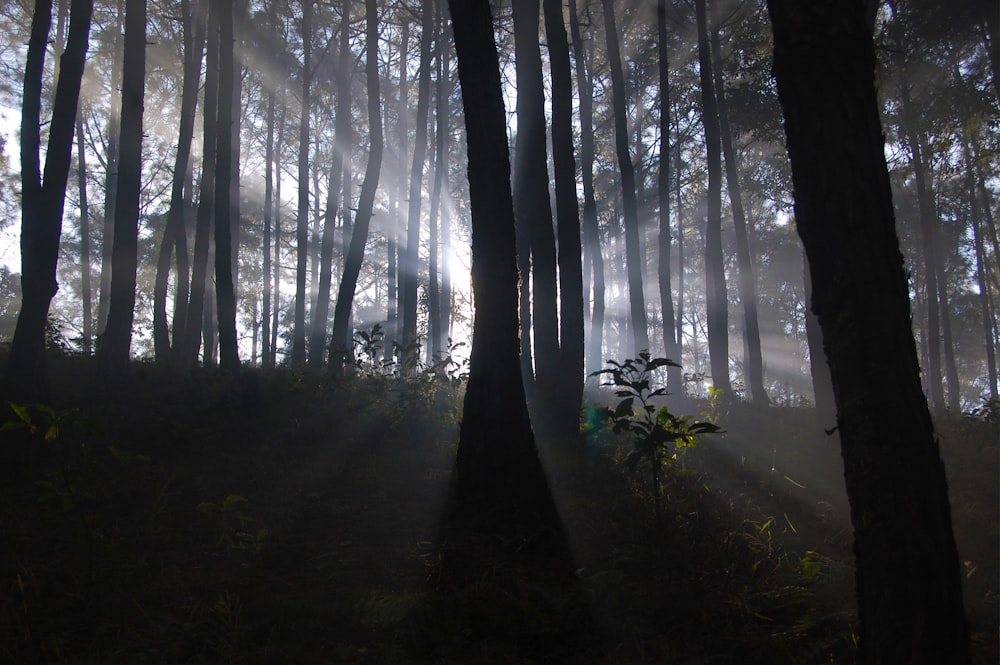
(499, 477)
(265, 348)
(747, 283)
(571, 351)
(206, 196)
(908, 575)
(436, 343)
(716, 300)
(591, 232)
(670, 349)
(302, 214)
(826, 405)
(985, 291)
(111, 178)
(637, 301)
(175, 233)
(410, 265)
(393, 249)
(43, 197)
(340, 342)
(318, 347)
(86, 295)
(225, 293)
(113, 356)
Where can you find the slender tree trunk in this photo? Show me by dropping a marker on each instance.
(394, 250)
(716, 301)
(680, 246)
(591, 232)
(85, 288)
(571, 349)
(670, 349)
(206, 196)
(824, 63)
(43, 194)
(225, 290)
(340, 342)
(111, 178)
(276, 318)
(637, 301)
(175, 233)
(747, 282)
(302, 215)
(985, 303)
(444, 146)
(318, 347)
(113, 356)
(265, 348)
(410, 265)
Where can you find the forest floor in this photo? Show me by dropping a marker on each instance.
(295, 519)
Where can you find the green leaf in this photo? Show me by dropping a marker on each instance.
(21, 412)
(13, 424)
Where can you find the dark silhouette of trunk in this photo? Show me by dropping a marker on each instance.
(571, 351)
(985, 289)
(531, 196)
(86, 294)
(499, 479)
(444, 146)
(747, 283)
(591, 232)
(824, 63)
(225, 167)
(113, 355)
(394, 258)
(340, 344)
(680, 246)
(637, 301)
(209, 320)
(43, 195)
(175, 233)
(437, 325)
(670, 349)
(206, 196)
(111, 177)
(410, 265)
(317, 343)
(716, 301)
(826, 405)
(302, 213)
(265, 348)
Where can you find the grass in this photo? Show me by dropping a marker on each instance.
(166, 523)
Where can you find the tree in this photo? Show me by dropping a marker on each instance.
(113, 355)
(637, 301)
(43, 194)
(824, 61)
(499, 476)
(340, 341)
(302, 214)
(111, 169)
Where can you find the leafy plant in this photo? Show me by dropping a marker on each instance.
(657, 434)
(236, 532)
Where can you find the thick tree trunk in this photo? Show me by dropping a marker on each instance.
(591, 232)
(637, 301)
(747, 283)
(908, 576)
(113, 356)
(826, 405)
(206, 197)
(302, 213)
(43, 195)
(175, 233)
(716, 300)
(340, 342)
(318, 347)
(571, 351)
(111, 177)
(498, 475)
(225, 289)
(670, 349)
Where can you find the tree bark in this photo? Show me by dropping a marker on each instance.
(498, 475)
(302, 214)
(571, 351)
(908, 575)
(747, 283)
(637, 301)
(265, 347)
(340, 342)
(436, 342)
(86, 295)
(716, 300)
(113, 356)
(111, 178)
(43, 194)
(591, 232)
